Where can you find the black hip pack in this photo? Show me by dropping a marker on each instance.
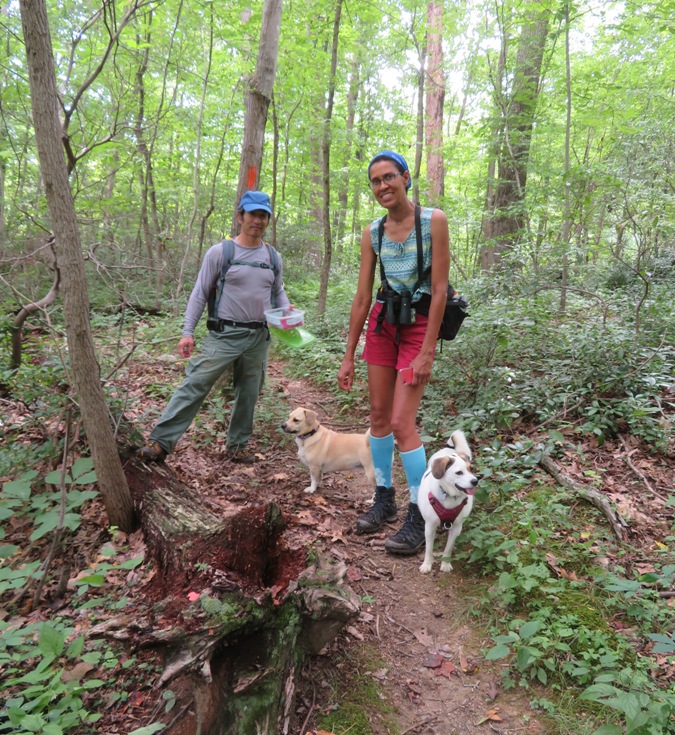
(395, 311)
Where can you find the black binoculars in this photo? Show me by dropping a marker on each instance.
(397, 308)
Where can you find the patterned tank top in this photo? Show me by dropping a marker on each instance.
(400, 258)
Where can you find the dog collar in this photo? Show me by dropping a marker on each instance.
(308, 434)
(447, 515)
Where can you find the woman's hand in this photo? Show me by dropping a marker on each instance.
(346, 374)
(422, 366)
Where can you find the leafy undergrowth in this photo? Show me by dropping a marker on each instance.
(578, 620)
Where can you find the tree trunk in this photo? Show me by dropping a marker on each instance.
(325, 167)
(85, 369)
(196, 184)
(565, 239)
(343, 188)
(506, 217)
(257, 103)
(419, 139)
(237, 609)
(435, 84)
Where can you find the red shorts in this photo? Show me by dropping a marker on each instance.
(382, 349)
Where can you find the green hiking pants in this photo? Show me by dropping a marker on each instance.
(244, 349)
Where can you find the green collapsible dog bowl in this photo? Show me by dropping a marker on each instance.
(296, 337)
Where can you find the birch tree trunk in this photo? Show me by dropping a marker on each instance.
(85, 370)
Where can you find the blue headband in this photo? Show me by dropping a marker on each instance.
(397, 158)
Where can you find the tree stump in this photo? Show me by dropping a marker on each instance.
(234, 607)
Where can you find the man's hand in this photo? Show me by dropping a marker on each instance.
(186, 346)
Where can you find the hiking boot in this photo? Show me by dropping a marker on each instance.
(410, 537)
(152, 452)
(239, 455)
(383, 511)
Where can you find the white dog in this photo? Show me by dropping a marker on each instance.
(446, 497)
(324, 450)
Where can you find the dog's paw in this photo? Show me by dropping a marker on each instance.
(310, 489)
(446, 566)
(425, 568)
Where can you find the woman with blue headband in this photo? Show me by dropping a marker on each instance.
(412, 246)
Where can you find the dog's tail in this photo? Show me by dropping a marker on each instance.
(368, 437)
(457, 441)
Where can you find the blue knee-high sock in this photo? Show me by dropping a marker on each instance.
(382, 452)
(414, 464)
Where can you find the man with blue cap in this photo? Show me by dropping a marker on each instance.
(238, 335)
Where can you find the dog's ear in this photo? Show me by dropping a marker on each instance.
(465, 457)
(439, 466)
(310, 416)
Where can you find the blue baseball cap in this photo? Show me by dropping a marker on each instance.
(253, 200)
(397, 158)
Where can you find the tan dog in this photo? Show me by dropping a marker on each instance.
(324, 450)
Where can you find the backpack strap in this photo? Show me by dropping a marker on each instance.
(418, 238)
(228, 260)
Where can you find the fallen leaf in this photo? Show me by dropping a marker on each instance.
(354, 633)
(192, 596)
(432, 661)
(353, 574)
(423, 637)
(446, 669)
(492, 691)
(279, 477)
(77, 673)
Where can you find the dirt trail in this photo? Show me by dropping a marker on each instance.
(416, 627)
(415, 636)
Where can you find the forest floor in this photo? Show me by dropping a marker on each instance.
(413, 662)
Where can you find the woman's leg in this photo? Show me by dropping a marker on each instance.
(405, 406)
(381, 381)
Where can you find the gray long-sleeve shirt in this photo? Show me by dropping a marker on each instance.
(247, 293)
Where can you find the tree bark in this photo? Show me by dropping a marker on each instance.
(506, 217)
(616, 522)
(257, 102)
(235, 610)
(85, 369)
(435, 84)
(325, 167)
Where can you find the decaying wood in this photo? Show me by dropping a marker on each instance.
(232, 626)
(616, 522)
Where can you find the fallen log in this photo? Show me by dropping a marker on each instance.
(616, 522)
(234, 608)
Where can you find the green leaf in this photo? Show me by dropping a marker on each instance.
(95, 580)
(54, 478)
(148, 729)
(7, 550)
(556, 435)
(17, 489)
(497, 652)
(529, 629)
(609, 730)
(51, 640)
(82, 466)
(48, 522)
(75, 647)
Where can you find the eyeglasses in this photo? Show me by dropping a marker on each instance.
(386, 179)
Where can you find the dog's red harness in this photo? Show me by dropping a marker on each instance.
(447, 515)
